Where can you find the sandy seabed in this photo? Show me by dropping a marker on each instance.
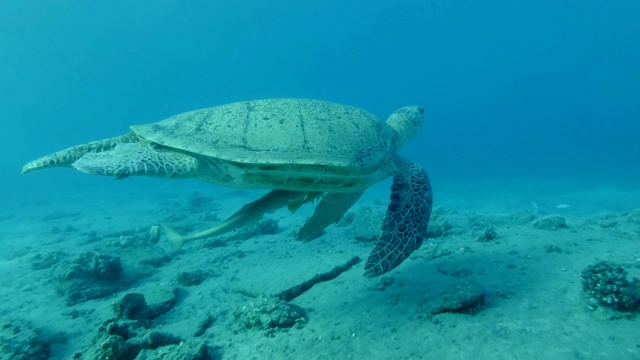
(218, 294)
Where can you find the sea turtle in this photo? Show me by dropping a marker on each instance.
(301, 149)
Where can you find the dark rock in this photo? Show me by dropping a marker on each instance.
(125, 340)
(607, 283)
(89, 276)
(550, 222)
(204, 325)
(132, 306)
(20, 341)
(488, 235)
(268, 312)
(440, 228)
(96, 266)
(267, 226)
(553, 249)
(192, 278)
(522, 217)
(150, 304)
(161, 299)
(466, 297)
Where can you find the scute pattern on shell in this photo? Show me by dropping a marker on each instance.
(278, 131)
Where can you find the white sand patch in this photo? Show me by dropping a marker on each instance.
(535, 307)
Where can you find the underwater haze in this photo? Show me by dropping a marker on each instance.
(531, 140)
(534, 89)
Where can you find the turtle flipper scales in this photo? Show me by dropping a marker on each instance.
(406, 221)
(67, 157)
(140, 158)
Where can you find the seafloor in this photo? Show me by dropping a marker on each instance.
(504, 275)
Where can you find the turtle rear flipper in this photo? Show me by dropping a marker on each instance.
(66, 157)
(406, 221)
(127, 159)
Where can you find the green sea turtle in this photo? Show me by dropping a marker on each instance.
(301, 149)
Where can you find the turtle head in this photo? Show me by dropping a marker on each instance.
(406, 122)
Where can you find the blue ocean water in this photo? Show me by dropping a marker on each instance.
(533, 89)
(528, 104)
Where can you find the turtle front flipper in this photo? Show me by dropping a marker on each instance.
(406, 221)
(330, 210)
(140, 158)
(66, 157)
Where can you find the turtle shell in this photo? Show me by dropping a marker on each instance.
(279, 131)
